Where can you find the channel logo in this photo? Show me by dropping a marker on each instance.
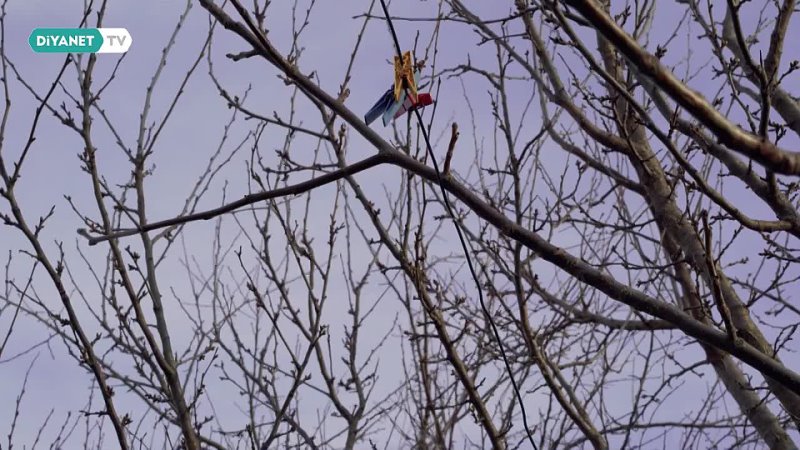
(80, 40)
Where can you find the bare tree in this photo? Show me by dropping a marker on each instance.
(588, 242)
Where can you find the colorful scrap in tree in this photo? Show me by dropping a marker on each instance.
(403, 96)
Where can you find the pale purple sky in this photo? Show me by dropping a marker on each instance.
(52, 170)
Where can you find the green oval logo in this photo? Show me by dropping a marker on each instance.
(65, 40)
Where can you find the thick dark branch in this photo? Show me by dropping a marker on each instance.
(250, 199)
(593, 276)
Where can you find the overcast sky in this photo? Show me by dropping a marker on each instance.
(195, 129)
(53, 170)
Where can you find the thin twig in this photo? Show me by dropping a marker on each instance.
(450, 149)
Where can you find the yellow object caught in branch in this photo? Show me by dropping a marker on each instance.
(404, 73)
